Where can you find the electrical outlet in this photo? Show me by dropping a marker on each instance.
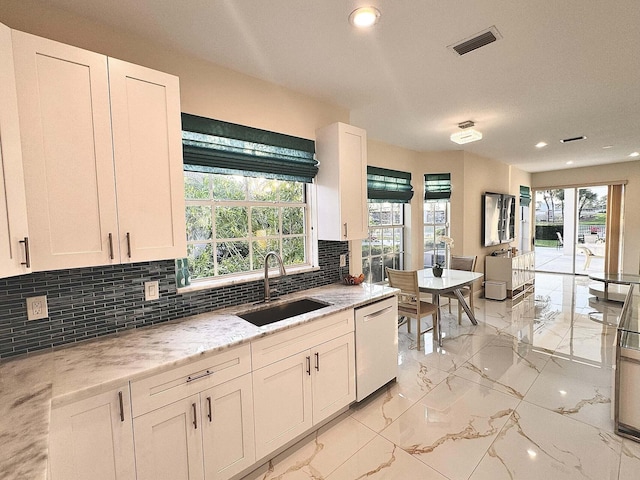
(37, 308)
(151, 291)
(343, 259)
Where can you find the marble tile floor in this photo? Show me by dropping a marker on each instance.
(526, 394)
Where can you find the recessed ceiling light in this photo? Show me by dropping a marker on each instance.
(570, 162)
(607, 146)
(541, 144)
(634, 154)
(364, 17)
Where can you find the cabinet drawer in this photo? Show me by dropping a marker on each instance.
(159, 390)
(294, 340)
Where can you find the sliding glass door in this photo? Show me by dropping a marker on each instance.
(571, 230)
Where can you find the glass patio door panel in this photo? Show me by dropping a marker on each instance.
(570, 230)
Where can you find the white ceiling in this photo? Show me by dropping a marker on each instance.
(563, 68)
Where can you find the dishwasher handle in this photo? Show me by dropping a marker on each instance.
(373, 315)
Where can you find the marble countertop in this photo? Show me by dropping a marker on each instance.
(31, 385)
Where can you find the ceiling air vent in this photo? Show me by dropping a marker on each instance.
(573, 139)
(479, 40)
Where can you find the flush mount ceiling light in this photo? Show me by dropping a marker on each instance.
(467, 134)
(634, 154)
(541, 144)
(364, 17)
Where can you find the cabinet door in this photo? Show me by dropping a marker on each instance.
(13, 206)
(93, 439)
(168, 442)
(353, 182)
(147, 143)
(282, 402)
(342, 182)
(334, 379)
(227, 428)
(65, 127)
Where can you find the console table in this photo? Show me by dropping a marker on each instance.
(517, 272)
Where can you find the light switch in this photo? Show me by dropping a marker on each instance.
(151, 291)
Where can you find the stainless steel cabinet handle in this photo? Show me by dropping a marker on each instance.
(345, 230)
(111, 246)
(317, 362)
(27, 255)
(195, 417)
(128, 245)
(308, 365)
(198, 377)
(210, 414)
(121, 406)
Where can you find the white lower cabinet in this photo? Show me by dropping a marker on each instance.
(212, 418)
(333, 376)
(93, 439)
(517, 272)
(227, 428)
(282, 407)
(168, 442)
(298, 392)
(205, 436)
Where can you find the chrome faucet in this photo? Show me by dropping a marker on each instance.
(267, 294)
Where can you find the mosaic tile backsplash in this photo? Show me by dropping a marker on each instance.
(86, 303)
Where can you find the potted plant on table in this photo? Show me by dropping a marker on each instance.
(448, 243)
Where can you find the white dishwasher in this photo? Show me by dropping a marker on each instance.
(376, 346)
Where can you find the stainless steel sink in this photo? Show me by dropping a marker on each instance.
(275, 313)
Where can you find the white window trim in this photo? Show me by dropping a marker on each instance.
(403, 225)
(447, 228)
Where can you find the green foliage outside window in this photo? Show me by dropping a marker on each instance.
(233, 221)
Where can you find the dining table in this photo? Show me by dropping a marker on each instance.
(450, 281)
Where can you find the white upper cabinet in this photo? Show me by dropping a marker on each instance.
(89, 133)
(341, 150)
(145, 110)
(13, 208)
(65, 125)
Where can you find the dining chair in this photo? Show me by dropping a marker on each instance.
(409, 302)
(468, 264)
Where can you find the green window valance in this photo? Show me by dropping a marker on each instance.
(214, 146)
(525, 196)
(437, 186)
(384, 185)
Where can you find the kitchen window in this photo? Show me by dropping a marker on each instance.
(247, 192)
(436, 218)
(388, 192)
